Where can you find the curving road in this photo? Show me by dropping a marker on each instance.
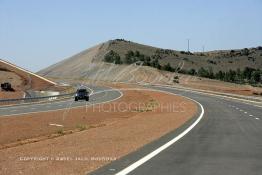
(97, 95)
(227, 140)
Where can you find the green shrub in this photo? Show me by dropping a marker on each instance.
(81, 127)
(112, 57)
(168, 67)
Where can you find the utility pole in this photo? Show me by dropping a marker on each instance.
(188, 45)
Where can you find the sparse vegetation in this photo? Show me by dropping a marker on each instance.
(192, 72)
(186, 53)
(245, 75)
(245, 51)
(112, 57)
(132, 57)
(176, 79)
(166, 52)
(248, 75)
(168, 67)
(121, 40)
(81, 127)
(211, 62)
(60, 131)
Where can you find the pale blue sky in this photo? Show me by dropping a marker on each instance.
(35, 34)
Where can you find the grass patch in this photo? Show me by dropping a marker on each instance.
(81, 127)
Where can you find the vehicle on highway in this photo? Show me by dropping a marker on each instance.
(82, 94)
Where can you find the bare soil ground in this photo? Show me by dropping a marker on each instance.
(7, 95)
(90, 137)
(17, 84)
(16, 81)
(21, 81)
(218, 86)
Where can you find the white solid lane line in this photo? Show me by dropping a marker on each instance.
(163, 147)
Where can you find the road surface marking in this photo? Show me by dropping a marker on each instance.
(210, 94)
(54, 124)
(251, 115)
(257, 118)
(245, 112)
(163, 147)
(51, 110)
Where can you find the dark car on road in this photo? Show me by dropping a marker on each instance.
(82, 94)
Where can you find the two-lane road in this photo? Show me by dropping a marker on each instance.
(98, 95)
(227, 140)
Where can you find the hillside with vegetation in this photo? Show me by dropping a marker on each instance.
(243, 66)
(238, 66)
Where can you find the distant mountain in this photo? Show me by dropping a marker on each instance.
(88, 62)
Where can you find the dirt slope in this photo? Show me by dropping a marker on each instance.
(21, 80)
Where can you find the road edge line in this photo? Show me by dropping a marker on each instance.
(144, 159)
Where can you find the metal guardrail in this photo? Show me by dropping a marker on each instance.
(18, 101)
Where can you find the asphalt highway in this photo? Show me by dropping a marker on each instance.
(226, 141)
(97, 95)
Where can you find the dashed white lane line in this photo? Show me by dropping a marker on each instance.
(250, 115)
(54, 124)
